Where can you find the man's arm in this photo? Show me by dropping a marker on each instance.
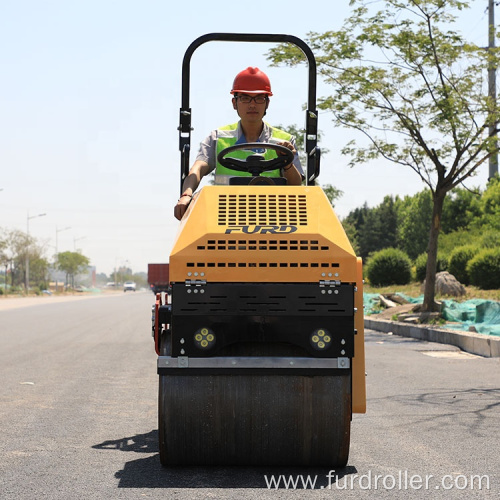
(199, 169)
(291, 173)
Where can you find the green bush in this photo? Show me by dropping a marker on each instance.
(459, 258)
(389, 266)
(421, 265)
(490, 239)
(484, 269)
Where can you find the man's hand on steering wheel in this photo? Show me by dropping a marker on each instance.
(287, 145)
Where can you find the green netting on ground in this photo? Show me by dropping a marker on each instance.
(371, 303)
(483, 315)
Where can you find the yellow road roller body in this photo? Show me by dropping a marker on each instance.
(260, 338)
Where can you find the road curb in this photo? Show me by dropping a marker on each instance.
(474, 343)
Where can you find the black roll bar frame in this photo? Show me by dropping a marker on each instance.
(311, 122)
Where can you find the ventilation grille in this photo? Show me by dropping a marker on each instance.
(265, 245)
(275, 259)
(263, 264)
(262, 209)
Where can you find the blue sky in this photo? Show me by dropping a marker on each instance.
(89, 108)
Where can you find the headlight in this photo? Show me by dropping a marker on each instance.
(321, 339)
(204, 338)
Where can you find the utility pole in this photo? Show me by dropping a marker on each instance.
(492, 87)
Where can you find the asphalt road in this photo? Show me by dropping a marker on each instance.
(78, 402)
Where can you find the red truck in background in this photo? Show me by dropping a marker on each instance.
(158, 277)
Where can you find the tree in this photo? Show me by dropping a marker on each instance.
(460, 207)
(374, 228)
(71, 263)
(15, 247)
(20, 246)
(39, 270)
(416, 215)
(353, 224)
(415, 91)
(380, 228)
(332, 193)
(358, 216)
(490, 206)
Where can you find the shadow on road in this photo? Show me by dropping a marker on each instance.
(140, 443)
(147, 472)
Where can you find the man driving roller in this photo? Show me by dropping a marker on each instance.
(251, 91)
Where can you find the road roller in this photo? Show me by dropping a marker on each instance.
(260, 337)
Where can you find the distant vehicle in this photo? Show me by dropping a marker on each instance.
(110, 284)
(129, 286)
(158, 277)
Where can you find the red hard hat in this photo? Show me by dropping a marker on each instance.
(252, 81)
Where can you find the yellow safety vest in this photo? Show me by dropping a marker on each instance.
(228, 136)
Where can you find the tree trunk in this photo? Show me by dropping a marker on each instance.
(430, 274)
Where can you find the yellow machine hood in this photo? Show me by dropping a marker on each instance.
(261, 233)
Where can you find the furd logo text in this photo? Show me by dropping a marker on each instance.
(261, 229)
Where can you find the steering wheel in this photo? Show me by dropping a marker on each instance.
(255, 164)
